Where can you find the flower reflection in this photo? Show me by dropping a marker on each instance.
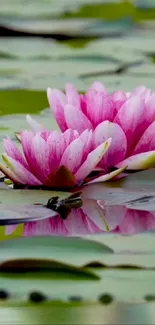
(136, 221)
(94, 217)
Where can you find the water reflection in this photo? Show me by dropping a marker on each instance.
(95, 216)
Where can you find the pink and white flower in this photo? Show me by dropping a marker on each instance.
(127, 118)
(53, 159)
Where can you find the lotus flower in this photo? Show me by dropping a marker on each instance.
(53, 159)
(127, 118)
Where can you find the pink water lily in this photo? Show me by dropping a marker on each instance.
(127, 118)
(52, 159)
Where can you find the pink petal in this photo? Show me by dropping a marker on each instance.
(118, 146)
(108, 176)
(131, 118)
(138, 90)
(98, 86)
(150, 110)
(86, 138)
(146, 95)
(57, 145)
(76, 120)
(140, 161)
(73, 155)
(44, 134)
(9, 174)
(119, 97)
(68, 136)
(73, 97)
(128, 94)
(99, 107)
(83, 104)
(26, 140)
(10, 229)
(24, 175)
(13, 151)
(40, 158)
(147, 141)
(36, 127)
(92, 160)
(57, 101)
(142, 91)
(94, 106)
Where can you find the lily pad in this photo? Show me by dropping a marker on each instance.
(109, 11)
(28, 196)
(71, 251)
(25, 101)
(125, 82)
(78, 314)
(143, 70)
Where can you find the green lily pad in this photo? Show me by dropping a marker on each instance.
(143, 243)
(28, 196)
(111, 11)
(125, 82)
(67, 250)
(79, 314)
(25, 101)
(143, 70)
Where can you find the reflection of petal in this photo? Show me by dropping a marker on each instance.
(10, 229)
(89, 219)
(95, 212)
(52, 226)
(136, 221)
(114, 215)
(76, 223)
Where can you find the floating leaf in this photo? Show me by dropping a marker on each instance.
(28, 196)
(12, 101)
(67, 250)
(16, 214)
